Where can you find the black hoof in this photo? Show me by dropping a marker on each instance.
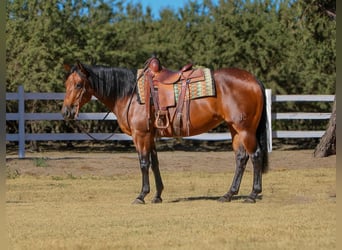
(138, 201)
(157, 200)
(249, 200)
(224, 199)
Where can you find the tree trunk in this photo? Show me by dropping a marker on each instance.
(327, 144)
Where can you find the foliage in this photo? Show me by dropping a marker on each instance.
(290, 45)
(40, 162)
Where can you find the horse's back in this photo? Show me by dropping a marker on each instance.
(237, 82)
(235, 78)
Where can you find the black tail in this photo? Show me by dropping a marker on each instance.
(262, 133)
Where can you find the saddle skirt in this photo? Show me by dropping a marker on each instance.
(201, 85)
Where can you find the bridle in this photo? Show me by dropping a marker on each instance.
(81, 93)
(77, 106)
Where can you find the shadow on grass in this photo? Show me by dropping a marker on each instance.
(214, 198)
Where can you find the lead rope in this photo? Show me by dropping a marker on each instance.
(83, 130)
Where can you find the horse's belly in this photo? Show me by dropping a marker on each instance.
(198, 118)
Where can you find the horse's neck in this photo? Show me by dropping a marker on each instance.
(106, 101)
(119, 108)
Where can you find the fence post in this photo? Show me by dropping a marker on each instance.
(21, 111)
(269, 118)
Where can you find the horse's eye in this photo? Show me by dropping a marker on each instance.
(79, 86)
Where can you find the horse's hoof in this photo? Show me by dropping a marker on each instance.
(224, 199)
(157, 200)
(138, 201)
(249, 200)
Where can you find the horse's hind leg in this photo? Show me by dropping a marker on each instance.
(256, 158)
(157, 177)
(241, 158)
(249, 147)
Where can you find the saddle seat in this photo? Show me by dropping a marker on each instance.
(162, 75)
(166, 76)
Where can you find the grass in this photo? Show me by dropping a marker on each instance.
(40, 162)
(297, 211)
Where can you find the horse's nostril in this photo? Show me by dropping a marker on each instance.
(66, 113)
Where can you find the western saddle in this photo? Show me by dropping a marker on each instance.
(160, 89)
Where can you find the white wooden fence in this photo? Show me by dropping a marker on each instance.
(22, 117)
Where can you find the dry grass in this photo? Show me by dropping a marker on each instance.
(297, 211)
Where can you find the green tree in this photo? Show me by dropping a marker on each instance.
(287, 44)
(37, 43)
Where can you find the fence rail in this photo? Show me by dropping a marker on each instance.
(22, 117)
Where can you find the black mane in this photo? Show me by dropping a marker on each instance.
(112, 82)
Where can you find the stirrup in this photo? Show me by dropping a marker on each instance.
(162, 119)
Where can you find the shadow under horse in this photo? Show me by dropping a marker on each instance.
(239, 101)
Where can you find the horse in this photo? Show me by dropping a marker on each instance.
(239, 101)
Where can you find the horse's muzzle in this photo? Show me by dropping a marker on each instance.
(69, 112)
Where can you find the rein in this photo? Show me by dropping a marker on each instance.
(83, 130)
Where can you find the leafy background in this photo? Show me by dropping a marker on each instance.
(289, 45)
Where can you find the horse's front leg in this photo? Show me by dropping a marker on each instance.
(157, 177)
(144, 160)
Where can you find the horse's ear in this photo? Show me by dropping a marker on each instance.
(67, 67)
(81, 68)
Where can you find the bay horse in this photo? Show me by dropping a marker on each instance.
(239, 101)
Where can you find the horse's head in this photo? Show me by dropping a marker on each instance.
(78, 90)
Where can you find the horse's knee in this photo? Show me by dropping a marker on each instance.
(256, 156)
(144, 162)
(241, 156)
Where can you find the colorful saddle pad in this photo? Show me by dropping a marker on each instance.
(198, 89)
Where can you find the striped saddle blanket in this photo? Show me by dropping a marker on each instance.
(198, 87)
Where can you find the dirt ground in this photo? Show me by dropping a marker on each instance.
(77, 163)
